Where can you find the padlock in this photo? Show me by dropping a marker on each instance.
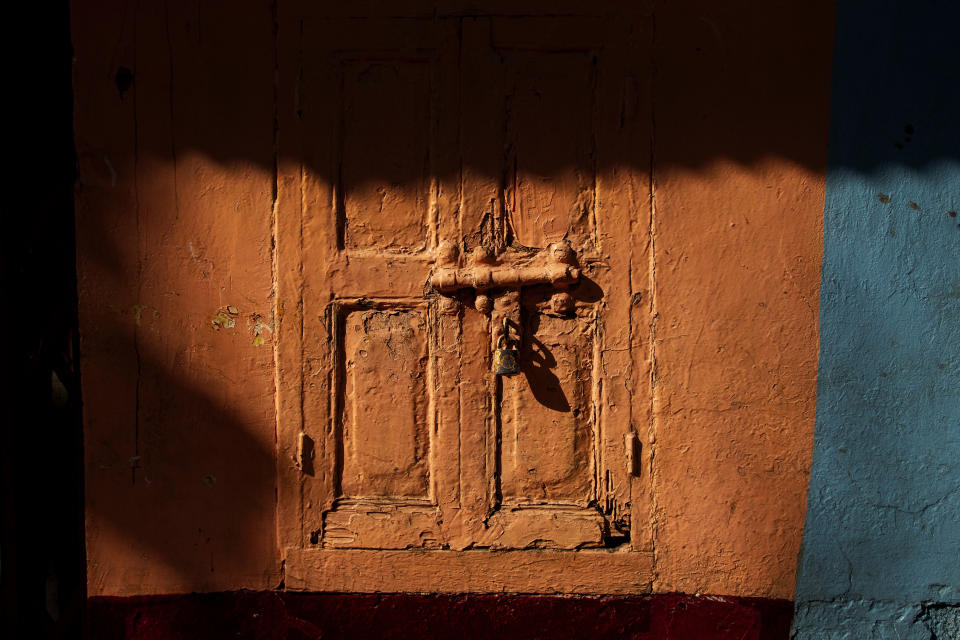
(506, 362)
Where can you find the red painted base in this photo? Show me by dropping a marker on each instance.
(299, 616)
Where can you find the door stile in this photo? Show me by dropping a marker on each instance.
(480, 208)
(622, 176)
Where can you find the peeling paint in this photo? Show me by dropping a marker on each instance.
(257, 327)
(225, 318)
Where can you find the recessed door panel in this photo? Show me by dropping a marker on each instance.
(549, 447)
(550, 138)
(385, 147)
(385, 402)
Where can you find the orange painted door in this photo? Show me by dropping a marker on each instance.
(453, 185)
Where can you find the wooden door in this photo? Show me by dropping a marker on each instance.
(433, 174)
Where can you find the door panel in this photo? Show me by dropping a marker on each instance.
(549, 448)
(385, 154)
(385, 428)
(549, 124)
(490, 148)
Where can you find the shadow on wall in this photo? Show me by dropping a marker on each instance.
(177, 136)
(41, 534)
(883, 521)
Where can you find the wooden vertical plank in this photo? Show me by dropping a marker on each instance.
(445, 454)
(317, 93)
(622, 218)
(448, 310)
(446, 159)
(481, 130)
(635, 175)
(481, 214)
(476, 417)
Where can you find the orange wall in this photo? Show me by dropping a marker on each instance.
(741, 106)
(173, 220)
(174, 216)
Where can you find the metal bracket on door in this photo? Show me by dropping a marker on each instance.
(484, 273)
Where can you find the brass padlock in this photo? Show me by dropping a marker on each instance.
(506, 362)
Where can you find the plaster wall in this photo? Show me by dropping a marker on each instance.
(174, 134)
(175, 137)
(882, 540)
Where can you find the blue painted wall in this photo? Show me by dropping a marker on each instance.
(881, 552)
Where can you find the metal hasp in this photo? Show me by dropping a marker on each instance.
(506, 275)
(484, 273)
